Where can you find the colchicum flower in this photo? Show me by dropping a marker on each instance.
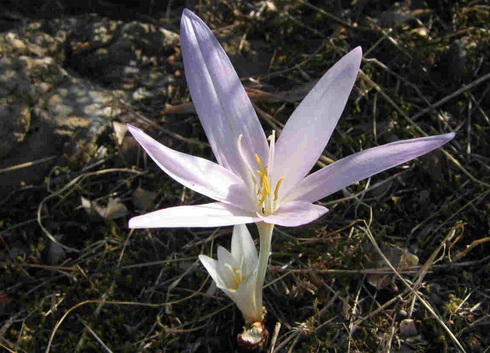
(235, 272)
(256, 178)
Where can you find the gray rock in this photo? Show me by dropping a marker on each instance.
(15, 117)
(60, 80)
(119, 54)
(43, 107)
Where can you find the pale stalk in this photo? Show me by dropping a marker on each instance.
(265, 233)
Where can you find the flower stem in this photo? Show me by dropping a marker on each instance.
(265, 232)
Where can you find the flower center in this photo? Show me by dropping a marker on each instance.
(266, 198)
(237, 278)
(266, 201)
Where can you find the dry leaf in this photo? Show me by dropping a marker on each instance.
(114, 209)
(143, 199)
(120, 130)
(88, 206)
(399, 258)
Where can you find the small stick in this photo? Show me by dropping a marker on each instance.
(277, 328)
(27, 164)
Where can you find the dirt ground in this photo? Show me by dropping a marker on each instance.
(74, 278)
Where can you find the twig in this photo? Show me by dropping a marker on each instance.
(94, 335)
(470, 247)
(275, 334)
(451, 96)
(27, 164)
(7, 348)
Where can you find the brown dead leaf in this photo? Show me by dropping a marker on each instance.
(120, 130)
(400, 258)
(143, 199)
(114, 209)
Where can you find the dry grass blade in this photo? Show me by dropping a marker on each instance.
(7, 349)
(431, 260)
(67, 188)
(97, 338)
(27, 164)
(456, 93)
(108, 302)
(275, 334)
(470, 247)
(414, 292)
(422, 132)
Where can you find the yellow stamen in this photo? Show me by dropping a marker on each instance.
(264, 183)
(265, 187)
(237, 278)
(261, 166)
(265, 200)
(276, 190)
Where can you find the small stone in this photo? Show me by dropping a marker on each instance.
(408, 328)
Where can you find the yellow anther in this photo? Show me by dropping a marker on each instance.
(264, 191)
(276, 190)
(265, 187)
(261, 166)
(264, 181)
(237, 278)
